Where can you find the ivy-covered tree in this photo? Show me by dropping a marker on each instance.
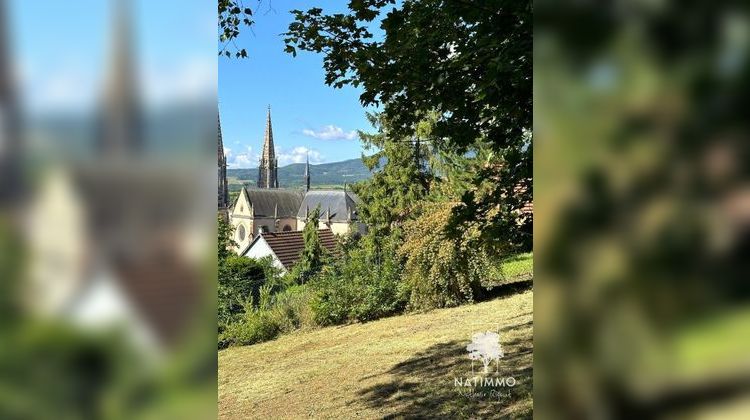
(312, 255)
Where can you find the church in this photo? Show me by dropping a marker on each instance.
(268, 209)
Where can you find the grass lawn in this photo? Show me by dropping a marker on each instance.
(403, 366)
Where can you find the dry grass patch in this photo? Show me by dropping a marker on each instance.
(396, 367)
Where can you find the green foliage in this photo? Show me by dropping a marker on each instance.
(362, 286)
(276, 313)
(225, 242)
(243, 280)
(233, 16)
(312, 257)
(467, 63)
(399, 179)
(441, 271)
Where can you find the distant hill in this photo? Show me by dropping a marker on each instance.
(332, 175)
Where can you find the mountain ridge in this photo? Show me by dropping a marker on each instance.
(333, 174)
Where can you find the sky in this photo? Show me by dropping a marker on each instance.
(308, 116)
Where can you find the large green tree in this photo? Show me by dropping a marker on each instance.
(467, 62)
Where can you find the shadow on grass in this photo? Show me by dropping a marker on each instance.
(424, 385)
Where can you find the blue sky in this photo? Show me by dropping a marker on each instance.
(307, 115)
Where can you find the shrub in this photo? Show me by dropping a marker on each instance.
(282, 312)
(240, 281)
(364, 285)
(255, 327)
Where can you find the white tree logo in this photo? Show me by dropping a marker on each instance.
(485, 347)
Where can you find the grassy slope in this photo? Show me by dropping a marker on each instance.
(402, 366)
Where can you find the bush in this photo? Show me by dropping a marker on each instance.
(240, 281)
(256, 326)
(364, 285)
(282, 312)
(441, 271)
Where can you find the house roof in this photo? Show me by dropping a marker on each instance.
(264, 201)
(339, 203)
(288, 246)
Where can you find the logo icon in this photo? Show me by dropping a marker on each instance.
(485, 346)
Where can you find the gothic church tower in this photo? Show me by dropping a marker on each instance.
(223, 196)
(268, 169)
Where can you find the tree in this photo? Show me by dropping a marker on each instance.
(470, 63)
(225, 242)
(399, 181)
(312, 255)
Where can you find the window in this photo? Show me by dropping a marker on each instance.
(241, 233)
(287, 228)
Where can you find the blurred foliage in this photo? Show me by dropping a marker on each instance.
(641, 194)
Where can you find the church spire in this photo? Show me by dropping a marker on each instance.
(223, 195)
(307, 173)
(120, 122)
(267, 170)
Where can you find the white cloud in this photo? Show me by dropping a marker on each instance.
(330, 132)
(243, 160)
(298, 155)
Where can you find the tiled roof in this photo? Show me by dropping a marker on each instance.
(288, 246)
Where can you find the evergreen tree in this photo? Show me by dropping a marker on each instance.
(400, 178)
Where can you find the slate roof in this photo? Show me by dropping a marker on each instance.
(340, 203)
(264, 201)
(288, 246)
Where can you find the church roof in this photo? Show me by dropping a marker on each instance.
(288, 246)
(338, 203)
(264, 202)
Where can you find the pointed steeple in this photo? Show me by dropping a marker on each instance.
(307, 173)
(267, 170)
(223, 193)
(120, 121)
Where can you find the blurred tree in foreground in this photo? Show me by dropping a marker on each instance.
(642, 195)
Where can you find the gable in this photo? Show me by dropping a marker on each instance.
(242, 207)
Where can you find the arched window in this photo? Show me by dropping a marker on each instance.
(241, 233)
(287, 228)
